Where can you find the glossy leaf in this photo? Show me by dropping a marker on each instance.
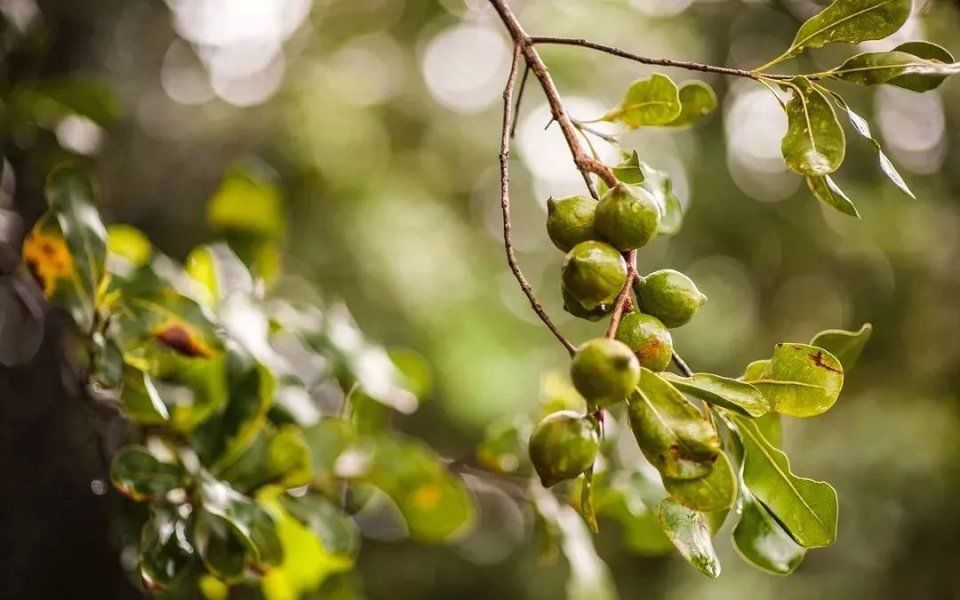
(691, 534)
(851, 21)
(716, 491)
(247, 520)
(762, 542)
(250, 389)
(192, 389)
(806, 508)
(140, 400)
(737, 396)
(165, 548)
(670, 431)
(861, 126)
(814, 143)
(697, 99)
(630, 170)
(278, 455)
(753, 370)
(897, 68)
(654, 100)
(927, 51)
(826, 190)
(801, 380)
(845, 345)
(139, 475)
(220, 546)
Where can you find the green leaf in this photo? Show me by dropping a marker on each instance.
(697, 100)
(140, 400)
(861, 126)
(826, 190)
(327, 439)
(845, 345)
(691, 533)
(165, 549)
(806, 508)
(590, 577)
(192, 389)
(247, 520)
(851, 21)
(586, 500)
(221, 440)
(335, 529)
(139, 475)
(247, 210)
(654, 100)
(630, 170)
(753, 370)
(716, 491)
(896, 68)
(670, 431)
(660, 186)
(729, 393)
(801, 380)
(626, 497)
(504, 447)
(128, 243)
(435, 504)
(927, 51)
(277, 455)
(814, 143)
(762, 542)
(220, 547)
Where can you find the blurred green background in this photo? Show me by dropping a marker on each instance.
(381, 119)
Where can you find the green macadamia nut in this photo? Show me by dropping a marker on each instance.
(563, 445)
(570, 221)
(670, 296)
(593, 273)
(648, 338)
(572, 306)
(604, 371)
(627, 217)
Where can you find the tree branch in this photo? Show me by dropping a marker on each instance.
(620, 304)
(505, 204)
(663, 62)
(585, 163)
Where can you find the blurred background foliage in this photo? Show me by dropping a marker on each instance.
(378, 119)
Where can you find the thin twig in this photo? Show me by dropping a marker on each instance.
(516, 108)
(623, 297)
(663, 62)
(505, 204)
(585, 163)
(610, 139)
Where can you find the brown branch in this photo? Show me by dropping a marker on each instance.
(620, 304)
(585, 163)
(516, 107)
(681, 365)
(663, 62)
(505, 204)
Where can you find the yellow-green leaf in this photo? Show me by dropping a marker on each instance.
(654, 100)
(845, 345)
(729, 393)
(851, 21)
(826, 190)
(715, 491)
(801, 380)
(691, 533)
(762, 542)
(697, 99)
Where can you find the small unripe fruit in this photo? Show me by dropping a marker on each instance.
(572, 306)
(563, 445)
(648, 338)
(627, 217)
(593, 273)
(604, 371)
(670, 296)
(570, 221)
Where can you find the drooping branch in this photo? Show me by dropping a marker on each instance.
(507, 126)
